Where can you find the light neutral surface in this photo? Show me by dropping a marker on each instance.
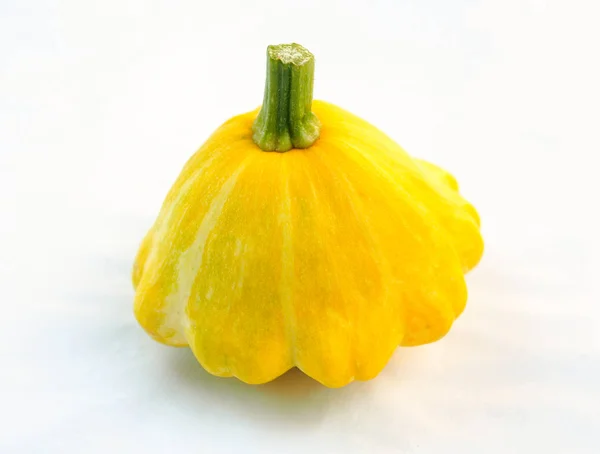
(101, 103)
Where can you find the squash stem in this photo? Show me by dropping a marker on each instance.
(285, 120)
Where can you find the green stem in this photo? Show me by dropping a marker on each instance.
(285, 120)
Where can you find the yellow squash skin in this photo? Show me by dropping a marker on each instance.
(325, 258)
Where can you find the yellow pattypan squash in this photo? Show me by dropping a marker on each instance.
(299, 235)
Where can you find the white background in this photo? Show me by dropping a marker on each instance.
(101, 103)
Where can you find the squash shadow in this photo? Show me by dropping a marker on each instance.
(293, 397)
(417, 377)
